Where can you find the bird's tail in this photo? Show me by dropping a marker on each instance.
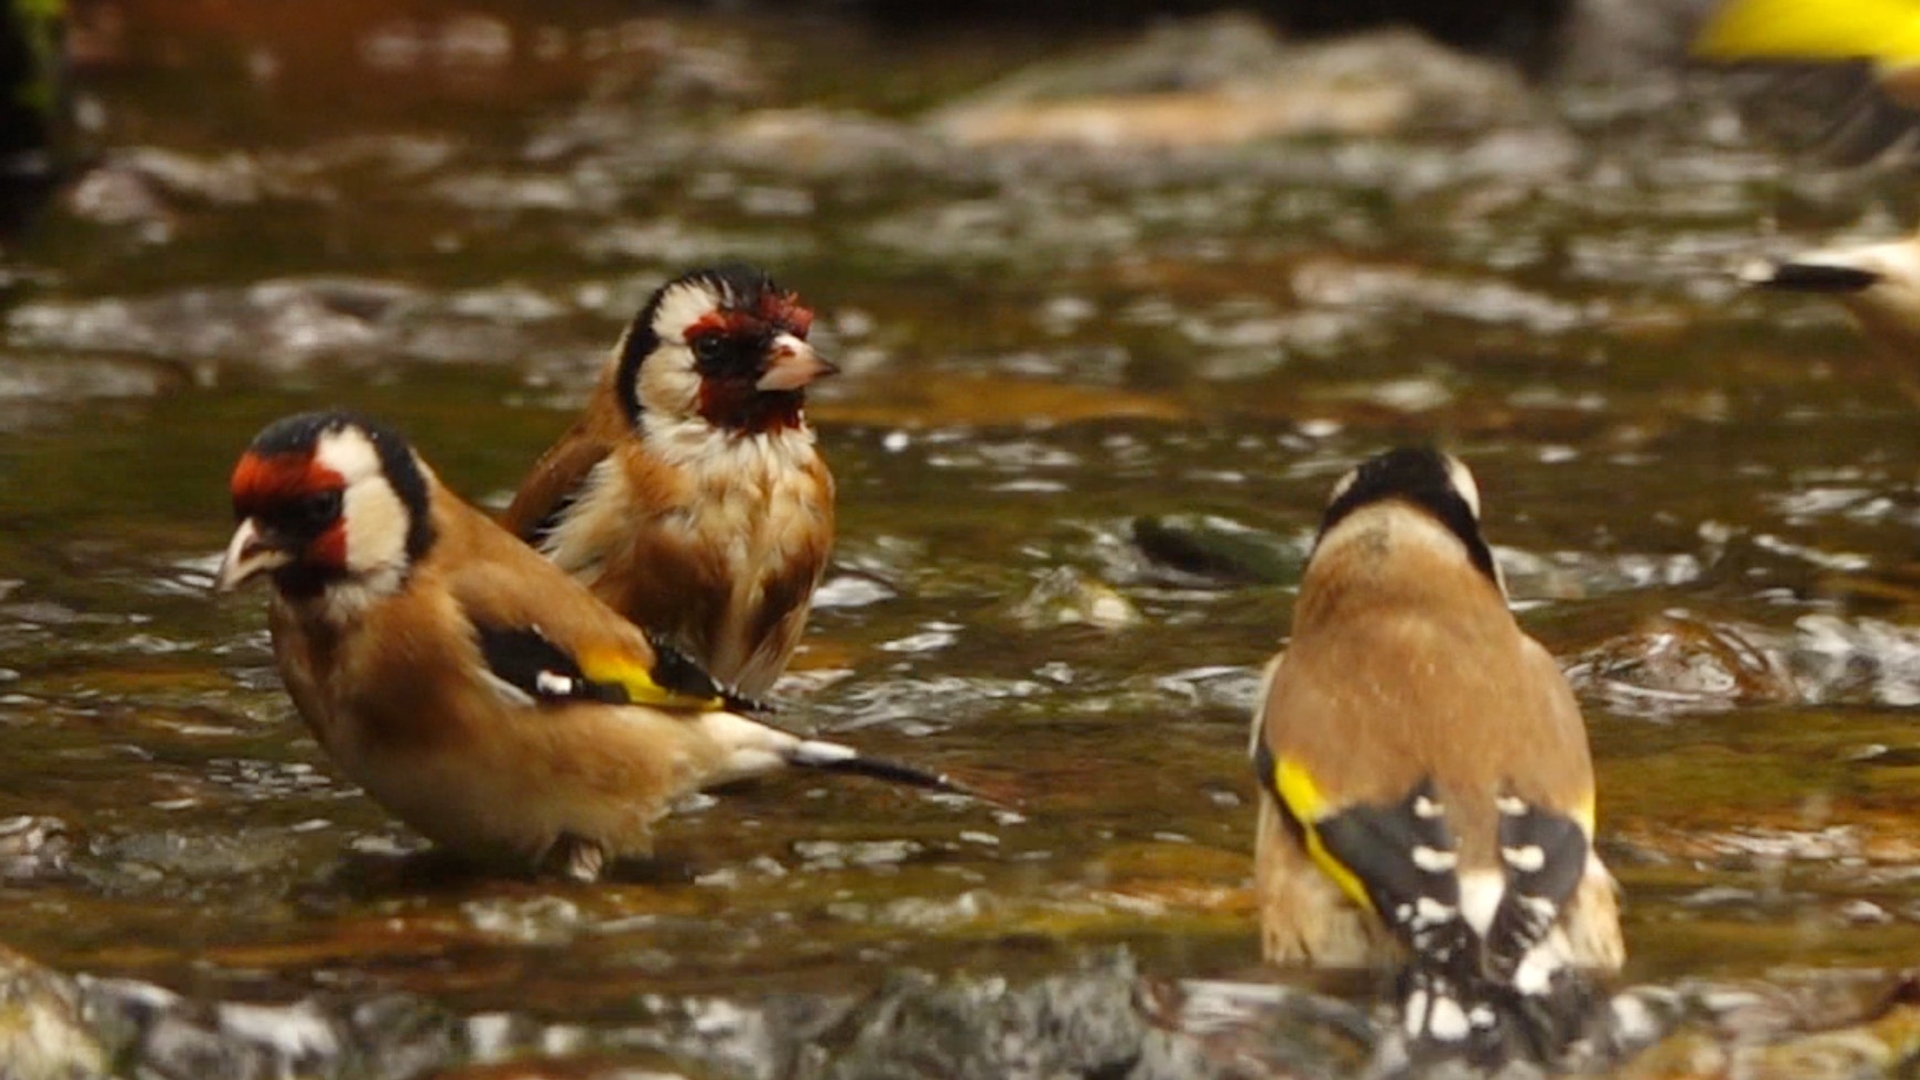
(1462, 1012)
(1796, 275)
(835, 757)
(750, 748)
(1495, 982)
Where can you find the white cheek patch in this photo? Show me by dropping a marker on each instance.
(349, 452)
(376, 519)
(1344, 484)
(1463, 482)
(668, 384)
(376, 522)
(683, 305)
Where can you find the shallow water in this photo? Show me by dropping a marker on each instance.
(1706, 504)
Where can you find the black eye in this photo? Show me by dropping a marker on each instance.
(317, 511)
(706, 348)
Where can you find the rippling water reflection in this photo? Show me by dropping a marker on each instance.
(1091, 406)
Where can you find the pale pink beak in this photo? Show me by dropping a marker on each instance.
(792, 365)
(249, 555)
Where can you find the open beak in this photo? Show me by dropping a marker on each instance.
(249, 554)
(792, 365)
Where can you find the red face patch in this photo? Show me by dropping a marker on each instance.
(288, 494)
(774, 313)
(329, 548)
(736, 324)
(260, 484)
(732, 348)
(784, 311)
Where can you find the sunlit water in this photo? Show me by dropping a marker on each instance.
(1706, 504)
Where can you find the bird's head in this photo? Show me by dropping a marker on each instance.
(724, 345)
(1424, 481)
(326, 499)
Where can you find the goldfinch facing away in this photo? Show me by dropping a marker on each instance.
(691, 497)
(471, 687)
(1879, 284)
(1427, 797)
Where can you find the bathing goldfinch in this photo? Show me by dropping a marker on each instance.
(467, 684)
(1427, 797)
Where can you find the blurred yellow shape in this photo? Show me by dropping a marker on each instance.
(1885, 32)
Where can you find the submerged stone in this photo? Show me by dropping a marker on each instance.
(376, 1037)
(44, 1029)
(33, 846)
(1104, 1021)
(1217, 548)
(1866, 660)
(1676, 662)
(1066, 597)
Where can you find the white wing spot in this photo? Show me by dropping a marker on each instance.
(553, 685)
(1511, 805)
(1432, 912)
(1527, 859)
(1427, 809)
(1416, 1010)
(1446, 1021)
(1534, 976)
(1433, 860)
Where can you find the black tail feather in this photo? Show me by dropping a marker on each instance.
(676, 671)
(1503, 1025)
(893, 772)
(1817, 277)
(835, 758)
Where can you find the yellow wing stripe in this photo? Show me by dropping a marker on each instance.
(1305, 802)
(1583, 812)
(620, 669)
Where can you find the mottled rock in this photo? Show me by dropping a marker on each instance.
(1676, 662)
(1229, 80)
(379, 1037)
(33, 846)
(1217, 549)
(1105, 1021)
(1868, 660)
(44, 1029)
(1066, 597)
(1887, 1045)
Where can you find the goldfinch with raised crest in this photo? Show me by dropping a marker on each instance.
(691, 497)
(467, 684)
(1427, 796)
(1878, 284)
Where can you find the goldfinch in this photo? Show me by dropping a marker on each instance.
(691, 497)
(469, 685)
(1427, 798)
(1879, 284)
